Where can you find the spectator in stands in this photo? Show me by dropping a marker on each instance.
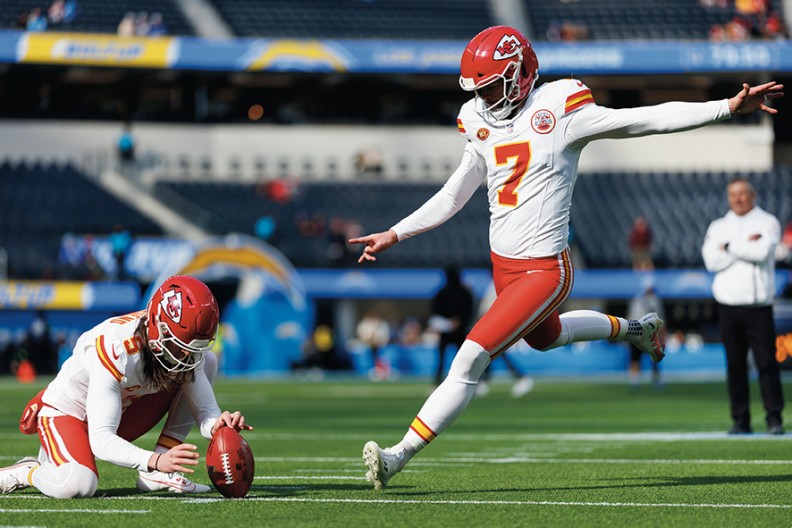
(36, 20)
(337, 250)
(89, 268)
(641, 244)
(774, 27)
(646, 301)
(120, 242)
(56, 12)
(369, 162)
(157, 27)
(279, 191)
(310, 226)
(526, 145)
(22, 19)
(126, 27)
(70, 11)
(567, 31)
(126, 147)
(740, 249)
(142, 24)
(452, 313)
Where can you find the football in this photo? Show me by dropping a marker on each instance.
(230, 463)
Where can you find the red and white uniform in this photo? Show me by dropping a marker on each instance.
(98, 384)
(529, 163)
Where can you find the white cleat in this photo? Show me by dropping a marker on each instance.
(382, 464)
(15, 477)
(648, 338)
(174, 482)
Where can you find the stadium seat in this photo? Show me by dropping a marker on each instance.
(394, 19)
(35, 218)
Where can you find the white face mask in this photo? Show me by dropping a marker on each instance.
(509, 100)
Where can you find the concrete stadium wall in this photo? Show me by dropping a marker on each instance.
(413, 153)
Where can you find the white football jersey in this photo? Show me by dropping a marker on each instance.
(104, 376)
(530, 162)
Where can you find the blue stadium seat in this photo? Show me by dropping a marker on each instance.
(633, 19)
(102, 16)
(394, 19)
(41, 203)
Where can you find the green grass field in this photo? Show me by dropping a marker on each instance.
(567, 454)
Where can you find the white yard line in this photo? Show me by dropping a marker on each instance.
(523, 503)
(210, 500)
(434, 461)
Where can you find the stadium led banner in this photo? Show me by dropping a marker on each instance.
(385, 56)
(67, 295)
(96, 50)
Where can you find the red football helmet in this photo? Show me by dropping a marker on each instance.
(499, 52)
(182, 323)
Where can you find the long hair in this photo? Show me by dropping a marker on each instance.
(154, 374)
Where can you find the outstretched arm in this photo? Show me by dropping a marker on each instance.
(436, 210)
(593, 122)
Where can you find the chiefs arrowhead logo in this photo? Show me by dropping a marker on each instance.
(508, 47)
(482, 133)
(171, 304)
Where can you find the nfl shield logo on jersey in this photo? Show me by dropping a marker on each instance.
(543, 121)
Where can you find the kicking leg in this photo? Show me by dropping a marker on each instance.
(588, 325)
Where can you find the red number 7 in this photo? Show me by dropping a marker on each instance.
(521, 153)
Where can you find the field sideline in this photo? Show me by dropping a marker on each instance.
(567, 454)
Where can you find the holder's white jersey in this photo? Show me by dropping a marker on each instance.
(530, 162)
(104, 376)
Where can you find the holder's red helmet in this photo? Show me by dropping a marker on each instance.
(499, 52)
(182, 322)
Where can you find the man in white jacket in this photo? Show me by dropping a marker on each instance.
(740, 249)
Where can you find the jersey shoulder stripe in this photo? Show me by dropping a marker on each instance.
(578, 99)
(106, 360)
(461, 127)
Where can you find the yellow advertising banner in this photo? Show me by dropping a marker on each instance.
(97, 50)
(31, 295)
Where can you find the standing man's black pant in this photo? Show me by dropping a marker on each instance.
(741, 328)
(447, 339)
